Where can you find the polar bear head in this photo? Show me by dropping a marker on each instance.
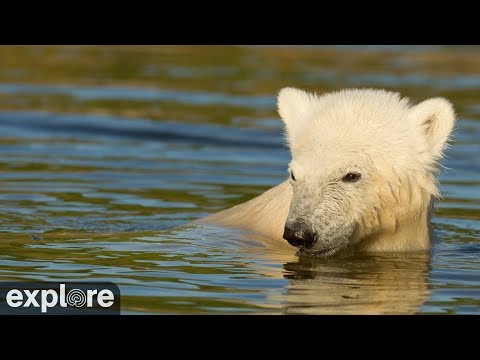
(363, 162)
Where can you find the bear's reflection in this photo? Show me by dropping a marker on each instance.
(387, 284)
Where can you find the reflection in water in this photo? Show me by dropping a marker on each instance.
(360, 284)
(386, 284)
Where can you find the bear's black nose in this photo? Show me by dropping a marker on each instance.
(297, 234)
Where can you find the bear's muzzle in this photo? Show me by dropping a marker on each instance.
(299, 235)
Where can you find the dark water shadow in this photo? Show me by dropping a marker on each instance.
(25, 124)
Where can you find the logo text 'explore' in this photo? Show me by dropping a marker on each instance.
(79, 298)
(49, 298)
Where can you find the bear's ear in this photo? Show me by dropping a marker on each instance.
(435, 117)
(292, 106)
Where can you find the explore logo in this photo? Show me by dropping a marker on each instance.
(82, 298)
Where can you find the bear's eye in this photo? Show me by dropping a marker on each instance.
(351, 177)
(292, 176)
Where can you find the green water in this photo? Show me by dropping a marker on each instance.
(106, 149)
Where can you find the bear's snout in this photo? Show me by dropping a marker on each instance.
(299, 235)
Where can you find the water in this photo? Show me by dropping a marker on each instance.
(105, 150)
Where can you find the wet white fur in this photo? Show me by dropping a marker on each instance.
(396, 147)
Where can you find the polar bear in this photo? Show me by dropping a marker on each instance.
(362, 175)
